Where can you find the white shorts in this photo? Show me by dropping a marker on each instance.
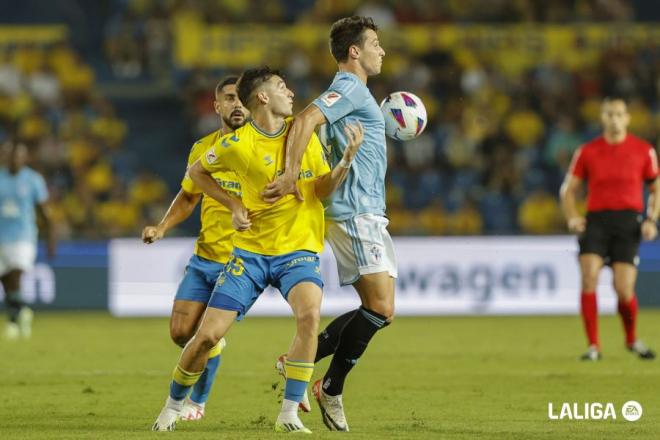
(361, 246)
(17, 256)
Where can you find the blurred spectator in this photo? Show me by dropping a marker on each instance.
(380, 11)
(118, 216)
(107, 127)
(48, 101)
(466, 220)
(10, 76)
(147, 189)
(540, 214)
(433, 219)
(524, 127)
(44, 86)
(562, 143)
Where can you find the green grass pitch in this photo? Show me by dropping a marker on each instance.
(90, 376)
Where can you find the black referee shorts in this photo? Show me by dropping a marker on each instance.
(614, 235)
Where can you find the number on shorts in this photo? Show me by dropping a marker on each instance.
(236, 266)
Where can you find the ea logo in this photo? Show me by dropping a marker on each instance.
(631, 411)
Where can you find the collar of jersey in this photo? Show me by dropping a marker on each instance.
(269, 135)
(348, 74)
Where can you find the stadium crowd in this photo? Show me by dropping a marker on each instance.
(497, 144)
(490, 161)
(48, 101)
(139, 37)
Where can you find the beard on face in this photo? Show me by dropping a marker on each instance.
(231, 122)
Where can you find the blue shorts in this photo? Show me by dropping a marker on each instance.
(199, 280)
(247, 275)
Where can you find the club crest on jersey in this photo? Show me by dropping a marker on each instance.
(330, 98)
(375, 253)
(210, 156)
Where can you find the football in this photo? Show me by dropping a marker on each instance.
(405, 115)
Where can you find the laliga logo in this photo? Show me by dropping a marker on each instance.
(631, 411)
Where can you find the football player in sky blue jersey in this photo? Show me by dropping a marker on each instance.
(355, 216)
(23, 197)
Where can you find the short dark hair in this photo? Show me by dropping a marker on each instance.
(226, 81)
(616, 97)
(250, 80)
(347, 32)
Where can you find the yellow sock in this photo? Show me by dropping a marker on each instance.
(185, 378)
(299, 370)
(215, 351)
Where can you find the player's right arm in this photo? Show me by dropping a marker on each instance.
(650, 224)
(205, 181)
(304, 124)
(180, 209)
(568, 194)
(343, 97)
(182, 205)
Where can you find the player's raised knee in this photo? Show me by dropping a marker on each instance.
(207, 338)
(181, 334)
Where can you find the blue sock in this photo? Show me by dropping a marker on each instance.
(201, 389)
(295, 389)
(178, 391)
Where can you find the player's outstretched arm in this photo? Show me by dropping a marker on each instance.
(568, 195)
(205, 181)
(650, 225)
(299, 135)
(180, 209)
(43, 212)
(328, 183)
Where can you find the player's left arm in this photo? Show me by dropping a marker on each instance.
(329, 182)
(650, 224)
(42, 209)
(47, 225)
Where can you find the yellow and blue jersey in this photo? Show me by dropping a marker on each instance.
(257, 158)
(214, 240)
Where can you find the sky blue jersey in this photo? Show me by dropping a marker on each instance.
(348, 100)
(19, 194)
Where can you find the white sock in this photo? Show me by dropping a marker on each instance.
(289, 408)
(176, 405)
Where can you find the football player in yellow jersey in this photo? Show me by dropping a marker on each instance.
(276, 244)
(213, 245)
